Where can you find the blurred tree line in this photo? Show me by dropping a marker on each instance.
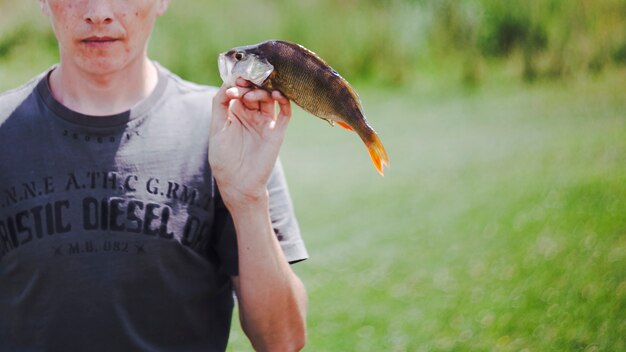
(389, 42)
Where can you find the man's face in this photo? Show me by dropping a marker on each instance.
(102, 36)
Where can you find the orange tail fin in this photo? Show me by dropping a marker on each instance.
(377, 153)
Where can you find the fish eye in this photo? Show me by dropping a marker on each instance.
(239, 55)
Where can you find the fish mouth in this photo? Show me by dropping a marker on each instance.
(225, 67)
(251, 69)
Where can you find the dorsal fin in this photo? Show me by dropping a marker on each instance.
(322, 62)
(353, 92)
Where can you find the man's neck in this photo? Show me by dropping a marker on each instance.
(101, 95)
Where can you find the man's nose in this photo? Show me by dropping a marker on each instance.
(98, 12)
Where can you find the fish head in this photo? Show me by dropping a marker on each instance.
(246, 62)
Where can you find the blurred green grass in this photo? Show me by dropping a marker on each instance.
(500, 224)
(389, 43)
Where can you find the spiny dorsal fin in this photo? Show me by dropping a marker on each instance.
(322, 62)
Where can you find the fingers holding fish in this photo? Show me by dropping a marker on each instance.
(259, 116)
(223, 102)
(236, 92)
(244, 117)
(252, 96)
(252, 107)
(244, 148)
(258, 100)
(220, 107)
(240, 82)
(246, 103)
(281, 99)
(263, 102)
(284, 107)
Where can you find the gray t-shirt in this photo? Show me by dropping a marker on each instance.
(113, 235)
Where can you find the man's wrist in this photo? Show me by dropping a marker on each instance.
(246, 203)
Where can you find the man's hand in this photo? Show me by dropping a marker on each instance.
(245, 138)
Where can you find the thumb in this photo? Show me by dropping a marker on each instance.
(221, 106)
(219, 110)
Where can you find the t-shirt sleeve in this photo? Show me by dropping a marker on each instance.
(284, 223)
(283, 217)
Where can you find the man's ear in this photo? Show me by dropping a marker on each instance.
(43, 5)
(163, 4)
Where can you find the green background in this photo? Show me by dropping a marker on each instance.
(501, 223)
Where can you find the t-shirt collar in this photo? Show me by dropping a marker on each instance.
(44, 91)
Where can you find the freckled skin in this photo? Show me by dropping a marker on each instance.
(73, 21)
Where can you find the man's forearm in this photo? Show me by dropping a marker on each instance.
(272, 299)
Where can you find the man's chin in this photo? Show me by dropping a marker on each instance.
(102, 66)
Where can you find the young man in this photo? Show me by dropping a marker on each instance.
(115, 233)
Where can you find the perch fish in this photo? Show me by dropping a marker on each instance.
(307, 80)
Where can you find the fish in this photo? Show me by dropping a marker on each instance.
(307, 80)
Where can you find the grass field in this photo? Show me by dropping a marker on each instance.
(501, 224)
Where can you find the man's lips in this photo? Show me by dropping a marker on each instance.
(99, 40)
